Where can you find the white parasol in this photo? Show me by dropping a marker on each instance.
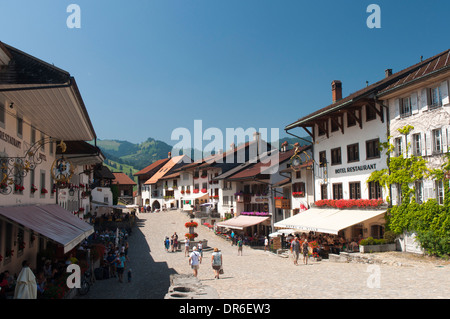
(26, 287)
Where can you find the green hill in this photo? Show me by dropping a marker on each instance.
(126, 157)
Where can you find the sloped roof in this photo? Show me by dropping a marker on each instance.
(122, 179)
(393, 80)
(166, 169)
(154, 166)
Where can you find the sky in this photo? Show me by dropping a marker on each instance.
(146, 68)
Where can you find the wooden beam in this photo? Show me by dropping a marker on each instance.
(373, 106)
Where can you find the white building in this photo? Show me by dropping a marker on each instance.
(421, 101)
(40, 106)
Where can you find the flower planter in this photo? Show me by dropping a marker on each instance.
(364, 249)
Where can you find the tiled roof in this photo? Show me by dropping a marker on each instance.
(122, 179)
(439, 63)
(154, 166)
(166, 169)
(263, 168)
(417, 70)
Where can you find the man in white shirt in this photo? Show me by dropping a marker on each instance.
(194, 260)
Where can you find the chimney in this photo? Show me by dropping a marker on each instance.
(170, 155)
(336, 90)
(388, 72)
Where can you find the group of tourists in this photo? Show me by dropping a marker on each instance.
(171, 244)
(195, 259)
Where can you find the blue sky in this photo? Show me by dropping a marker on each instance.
(145, 68)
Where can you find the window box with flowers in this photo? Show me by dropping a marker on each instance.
(298, 194)
(44, 191)
(204, 190)
(196, 191)
(350, 203)
(18, 188)
(33, 189)
(188, 191)
(182, 191)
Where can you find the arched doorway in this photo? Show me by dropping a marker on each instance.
(156, 205)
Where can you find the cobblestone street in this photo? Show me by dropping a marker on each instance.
(258, 274)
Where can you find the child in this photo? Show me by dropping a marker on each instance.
(129, 275)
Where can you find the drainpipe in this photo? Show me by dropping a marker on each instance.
(388, 133)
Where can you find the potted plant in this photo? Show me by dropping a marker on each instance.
(33, 188)
(44, 191)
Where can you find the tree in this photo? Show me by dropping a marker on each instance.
(430, 221)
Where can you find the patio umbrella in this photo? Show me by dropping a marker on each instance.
(26, 287)
(207, 204)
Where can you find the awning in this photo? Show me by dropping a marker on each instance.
(327, 220)
(51, 221)
(242, 221)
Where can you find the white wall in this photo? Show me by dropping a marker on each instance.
(343, 173)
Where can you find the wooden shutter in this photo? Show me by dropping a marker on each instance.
(444, 94)
(414, 103)
(429, 143)
(424, 99)
(423, 144)
(397, 108)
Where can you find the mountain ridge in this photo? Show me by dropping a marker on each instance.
(140, 155)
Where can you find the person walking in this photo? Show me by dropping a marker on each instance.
(167, 243)
(216, 262)
(120, 266)
(305, 251)
(175, 241)
(194, 260)
(200, 248)
(187, 243)
(266, 244)
(232, 238)
(240, 244)
(295, 246)
(171, 243)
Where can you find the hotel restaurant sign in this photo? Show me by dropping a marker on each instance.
(352, 169)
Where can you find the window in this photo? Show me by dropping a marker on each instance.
(372, 150)
(225, 200)
(42, 182)
(398, 146)
(440, 192)
(355, 190)
(337, 191)
(334, 124)
(299, 188)
(435, 99)
(351, 118)
(2, 115)
(324, 191)
(19, 127)
(405, 107)
(371, 114)
(336, 156)
(437, 141)
(419, 192)
(298, 174)
(323, 159)
(353, 153)
(33, 136)
(375, 191)
(175, 183)
(417, 145)
(320, 129)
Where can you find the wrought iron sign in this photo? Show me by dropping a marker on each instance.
(15, 169)
(296, 159)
